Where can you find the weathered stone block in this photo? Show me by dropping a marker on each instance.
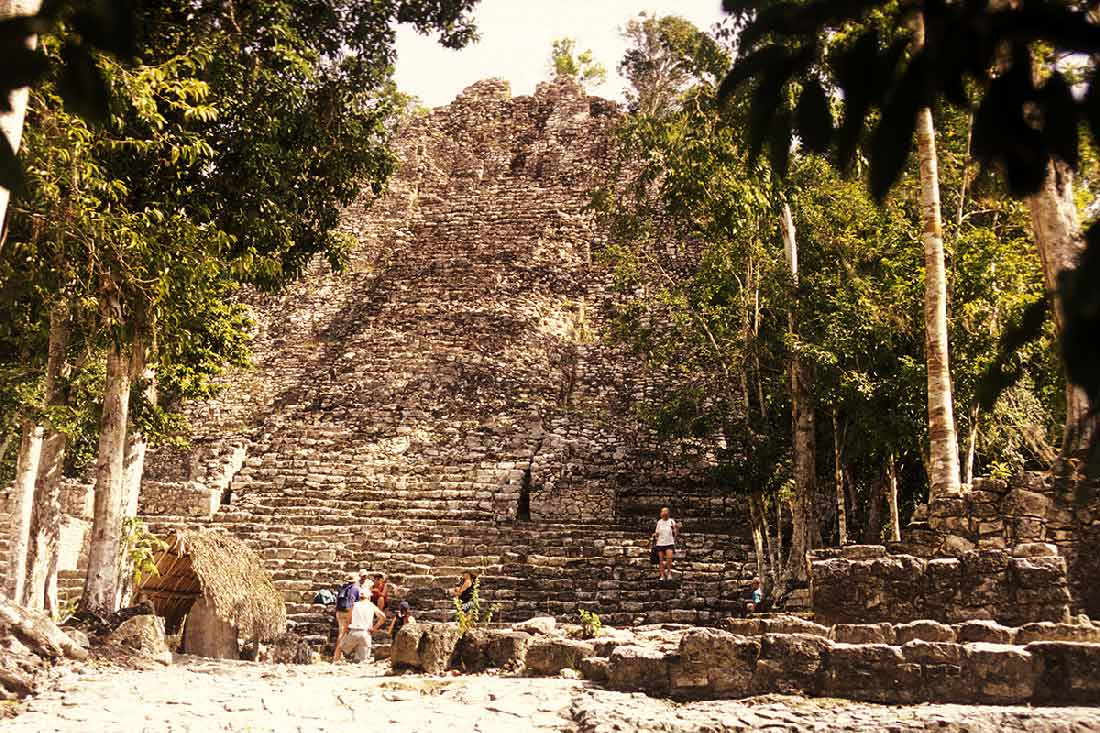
(1023, 503)
(481, 649)
(863, 552)
(863, 633)
(548, 657)
(788, 664)
(1035, 549)
(924, 630)
(788, 624)
(988, 632)
(873, 672)
(1070, 673)
(1047, 631)
(743, 626)
(999, 675)
(714, 663)
(537, 625)
(636, 668)
(595, 669)
(428, 647)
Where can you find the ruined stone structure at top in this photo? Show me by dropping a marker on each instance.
(411, 413)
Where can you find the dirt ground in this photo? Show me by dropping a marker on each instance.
(206, 695)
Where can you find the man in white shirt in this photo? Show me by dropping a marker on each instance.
(357, 642)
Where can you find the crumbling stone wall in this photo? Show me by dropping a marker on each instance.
(863, 584)
(1015, 551)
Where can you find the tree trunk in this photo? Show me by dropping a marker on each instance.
(46, 519)
(770, 570)
(134, 463)
(20, 506)
(971, 444)
(872, 531)
(892, 499)
(101, 588)
(1058, 238)
(759, 528)
(838, 478)
(943, 471)
(11, 121)
(134, 460)
(803, 528)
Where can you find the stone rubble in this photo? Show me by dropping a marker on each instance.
(921, 661)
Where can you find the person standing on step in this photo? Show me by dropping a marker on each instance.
(665, 535)
(366, 619)
(346, 598)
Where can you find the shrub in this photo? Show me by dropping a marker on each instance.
(467, 620)
(591, 626)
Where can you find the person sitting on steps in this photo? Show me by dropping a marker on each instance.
(357, 642)
(665, 535)
(379, 592)
(346, 598)
(754, 598)
(400, 618)
(464, 591)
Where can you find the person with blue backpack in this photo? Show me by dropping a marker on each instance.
(346, 598)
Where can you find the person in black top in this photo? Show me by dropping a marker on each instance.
(400, 618)
(464, 591)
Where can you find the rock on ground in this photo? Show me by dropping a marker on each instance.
(30, 643)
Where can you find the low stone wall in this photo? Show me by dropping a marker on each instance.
(974, 662)
(178, 498)
(994, 514)
(1030, 507)
(862, 583)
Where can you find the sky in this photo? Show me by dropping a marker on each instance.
(515, 43)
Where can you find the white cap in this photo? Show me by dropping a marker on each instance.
(364, 573)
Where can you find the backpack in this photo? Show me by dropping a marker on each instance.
(343, 598)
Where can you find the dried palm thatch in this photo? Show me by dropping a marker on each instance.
(224, 570)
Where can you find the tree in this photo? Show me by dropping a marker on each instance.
(581, 68)
(803, 525)
(1019, 126)
(943, 443)
(228, 155)
(665, 57)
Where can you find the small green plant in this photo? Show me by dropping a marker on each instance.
(471, 618)
(591, 626)
(999, 470)
(66, 607)
(138, 554)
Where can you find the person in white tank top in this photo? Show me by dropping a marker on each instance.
(664, 541)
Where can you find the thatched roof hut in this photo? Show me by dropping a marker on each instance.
(223, 570)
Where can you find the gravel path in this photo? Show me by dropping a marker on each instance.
(205, 695)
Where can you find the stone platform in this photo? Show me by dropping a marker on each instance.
(924, 661)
